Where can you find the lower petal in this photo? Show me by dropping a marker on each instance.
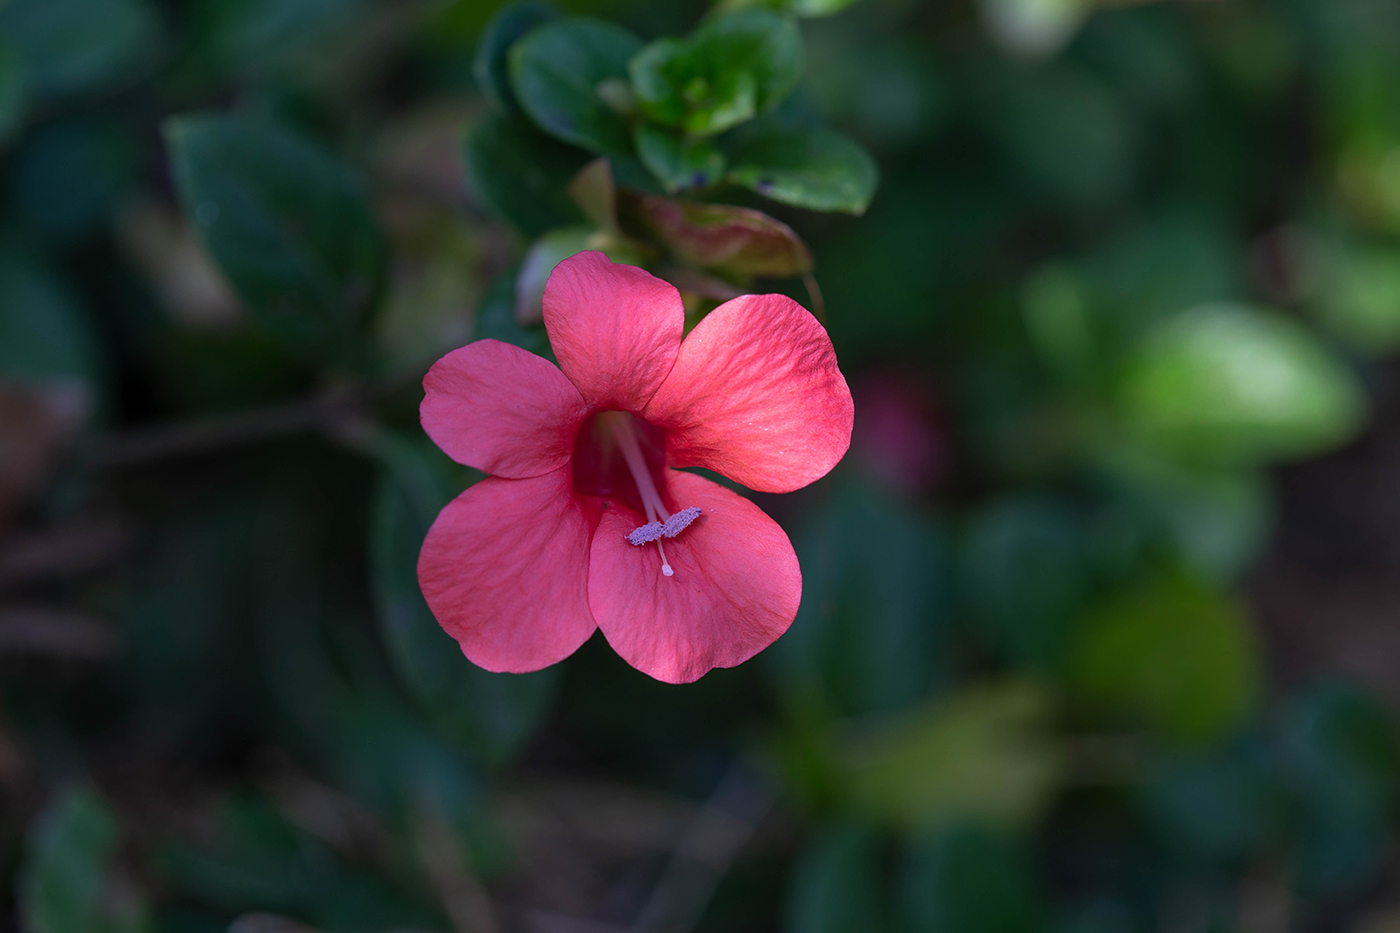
(735, 588)
(505, 571)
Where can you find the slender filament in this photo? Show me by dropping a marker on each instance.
(646, 486)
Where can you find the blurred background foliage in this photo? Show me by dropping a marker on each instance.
(1098, 631)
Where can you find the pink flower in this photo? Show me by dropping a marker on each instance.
(585, 522)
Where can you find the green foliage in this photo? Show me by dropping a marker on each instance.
(1226, 384)
(819, 170)
(985, 754)
(44, 332)
(971, 879)
(491, 67)
(533, 200)
(66, 884)
(734, 67)
(80, 46)
(559, 73)
(1174, 652)
(289, 226)
(836, 884)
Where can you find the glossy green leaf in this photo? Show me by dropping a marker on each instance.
(735, 241)
(521, 174)
(970, 879)
(984, 754)
(733, 67)
(80, 46)
(1229, 384)
(556, 71)
(490, 715)
(835, 885)
(491, 67)
(66, 875)
(679, 163)
(291, 228)
(1172, 652)
(819, 170)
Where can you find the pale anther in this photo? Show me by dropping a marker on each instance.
(679, 521)
(646, 533)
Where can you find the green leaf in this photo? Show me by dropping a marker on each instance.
(803, 8)
(678, 163)
(1035, 27)
(970, 879)
(490, 715)
(1228, 384)
(1172, 652)
(521, 175)
(65, 876)
(819, 170)
(265, 37)
(836, 884)
(80, 46)
(491, 67)
(737, 241)
(984, 754)
(291, 228)
(729, 70)
(556, 72)
(496, 318)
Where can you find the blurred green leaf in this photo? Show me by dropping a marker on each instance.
(491, 715)
(794, 7)
(1024, 567)
(835, 886)
(819, 170)
(1228, 384)
(521, 174)
(263, 37)
(1220, 808)
(872, 633)
(13, 92)
(496, 319)
(550, 250)
(984, 754)
(491, 67)
(1173, 652)
(44, 332)
(733, 67)
(68, 176)
(1341, 753)
(969, 879)
(1360, 300)
(80, 46)
(556, 71)
(65, 880)
(679, 163)
(290, 227)
(737, 241)
(1035, 27)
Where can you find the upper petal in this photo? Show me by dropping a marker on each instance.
(501, 409)
(735, 588)
(615, 329)
(756, 395)
(505, 571)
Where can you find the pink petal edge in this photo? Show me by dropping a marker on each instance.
(504, 569)
(757, 396)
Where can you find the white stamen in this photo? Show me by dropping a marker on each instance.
(678, 522)
(646, 533)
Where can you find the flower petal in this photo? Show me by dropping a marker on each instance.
(501, 409)
(756, 395)
(614, 329)
(735, 588)
(505, 571)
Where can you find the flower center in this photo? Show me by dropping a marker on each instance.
(660, 522)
